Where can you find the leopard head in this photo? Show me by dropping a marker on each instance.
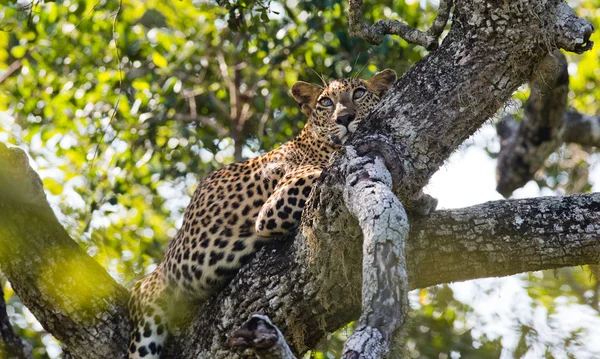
(336, 110)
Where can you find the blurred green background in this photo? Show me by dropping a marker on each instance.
(123, 106)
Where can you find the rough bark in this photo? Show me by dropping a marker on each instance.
(506, 237)
(446, 246)
(312, 285)
(384, 225)
(69, 293)
(375, 33)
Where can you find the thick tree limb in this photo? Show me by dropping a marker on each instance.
(375, 33)
(505, 237)
(523, 151)
(520, 158)
(545, 125)
(69, 293)
(384, 224)
(582, 129)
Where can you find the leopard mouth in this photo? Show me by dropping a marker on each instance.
(342, 135)
(342, 132)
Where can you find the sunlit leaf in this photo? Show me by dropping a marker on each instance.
(159, 60)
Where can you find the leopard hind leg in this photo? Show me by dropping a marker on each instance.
(149, 314)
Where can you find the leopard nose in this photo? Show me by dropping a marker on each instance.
(345, 119)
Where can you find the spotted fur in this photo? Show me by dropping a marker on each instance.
(237, 208)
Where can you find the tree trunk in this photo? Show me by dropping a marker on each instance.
(312, 285)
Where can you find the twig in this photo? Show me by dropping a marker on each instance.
(93, 203)
(116, 106)
(441, 19)
(265, 116)
(205, 120)
(11, 68)
(230, 84)
(221, 106)
(375, 33)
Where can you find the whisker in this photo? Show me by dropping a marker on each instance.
(354, 66)
(320, 77)
(361, 69)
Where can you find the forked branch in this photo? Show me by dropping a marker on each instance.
(525, 147)
(545, 125)
(375, 33)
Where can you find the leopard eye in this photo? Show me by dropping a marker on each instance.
(326, 102)
(358, 93)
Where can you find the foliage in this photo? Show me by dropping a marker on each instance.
(123, 106)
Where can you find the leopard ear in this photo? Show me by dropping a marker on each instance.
(306, 95)
(382, 81)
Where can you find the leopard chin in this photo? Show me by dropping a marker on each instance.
(338, 136)
(342, 132)
(353, 126)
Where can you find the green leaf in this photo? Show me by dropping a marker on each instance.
(159, 60)
(18, 51)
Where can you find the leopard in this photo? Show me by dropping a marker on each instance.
(239, 208)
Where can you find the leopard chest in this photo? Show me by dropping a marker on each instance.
(218, 231)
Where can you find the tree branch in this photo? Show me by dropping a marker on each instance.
(571, 33)
(581, 128)
(221, 106)
(545, 125)
(204, 120)
(14, 66)
(305, 301)
(375, 33)
(505, 237)
(523, 151)
(369, 198)
(68, 292)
